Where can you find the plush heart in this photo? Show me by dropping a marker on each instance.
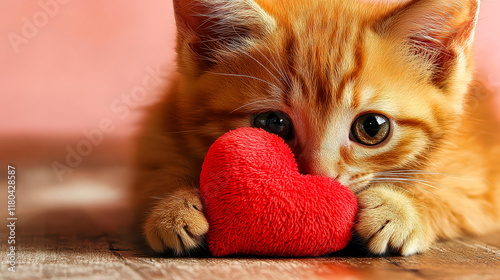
(257, 202)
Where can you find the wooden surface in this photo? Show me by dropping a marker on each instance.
(81, 241)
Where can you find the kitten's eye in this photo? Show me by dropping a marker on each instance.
(275, 122)
(370, 129)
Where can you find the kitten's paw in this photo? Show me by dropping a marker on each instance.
(389, 221)
(176, 223)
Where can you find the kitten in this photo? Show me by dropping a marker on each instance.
(373, 95)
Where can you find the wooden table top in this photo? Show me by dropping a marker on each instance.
(79, 241)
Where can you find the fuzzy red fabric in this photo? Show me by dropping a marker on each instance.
(257, 202)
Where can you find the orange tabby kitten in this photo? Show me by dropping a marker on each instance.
(374, 95)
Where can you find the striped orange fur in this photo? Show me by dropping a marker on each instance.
(325, 63)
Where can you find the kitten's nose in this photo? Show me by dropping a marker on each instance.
(308, 165)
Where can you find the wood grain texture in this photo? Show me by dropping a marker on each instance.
(90, 242)
(79, 245)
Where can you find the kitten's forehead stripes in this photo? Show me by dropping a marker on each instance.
(318, 74)
(352, 75)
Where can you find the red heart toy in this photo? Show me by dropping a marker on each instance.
(257, 202)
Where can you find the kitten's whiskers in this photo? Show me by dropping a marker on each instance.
(394, 180)
(278, 68)
(263, 66)
(425, 172)
(251, 103)
(249, 77)
(421, 180)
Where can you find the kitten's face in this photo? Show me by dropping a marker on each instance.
(355, 91)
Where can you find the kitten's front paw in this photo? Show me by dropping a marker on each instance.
(389, 221)
(176, 223)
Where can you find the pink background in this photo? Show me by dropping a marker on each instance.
(91, 52)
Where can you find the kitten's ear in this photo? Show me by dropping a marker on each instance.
(210, 29)
(439, 31)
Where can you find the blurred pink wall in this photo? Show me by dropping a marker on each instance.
(82, 57)
(66, 65)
